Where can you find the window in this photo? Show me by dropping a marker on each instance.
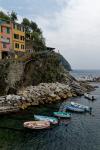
(16, 36)
(14, 26)
(22, 38)
(16, 45)
(8, 30)
(4, 45)
(18, 27)
(22, 46)
(23, 29)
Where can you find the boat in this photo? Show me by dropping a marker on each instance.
(89, 97)
(62, 114)
(36, 124)
(52, 120)
(74, 109)
(77, 105)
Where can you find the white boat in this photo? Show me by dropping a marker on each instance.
(36, 124)
(77, 105)
(52, 120)
(89, 97)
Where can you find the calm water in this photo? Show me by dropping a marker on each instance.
(82, 132)
(81, 73)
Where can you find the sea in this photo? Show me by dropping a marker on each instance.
(80, 74)
(81, 132)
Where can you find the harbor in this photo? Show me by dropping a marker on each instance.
(80, 132)
(49, 75)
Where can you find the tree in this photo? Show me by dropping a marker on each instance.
(34, 33)
(38, 40)
(4, 16)
(33, 26)
(13, 16)
(26, 23)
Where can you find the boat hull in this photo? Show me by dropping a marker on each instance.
(89, 97)
(77, 105)
(71, 108)
(52, 120)
(62, 114)
(36, 125)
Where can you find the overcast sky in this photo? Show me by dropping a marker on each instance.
(71, 26)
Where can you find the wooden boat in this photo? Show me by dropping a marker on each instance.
(52, 120)
(37, 124)
(89, 97)
(62, 114)
(74, 109)
(77, 105)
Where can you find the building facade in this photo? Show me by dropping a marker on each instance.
(5, 37)
(12, 38)
(18, 38)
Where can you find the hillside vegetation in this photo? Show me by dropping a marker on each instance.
(31, 69)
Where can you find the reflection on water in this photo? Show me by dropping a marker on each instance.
(82, 132)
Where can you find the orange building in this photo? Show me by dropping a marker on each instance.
(18, 37)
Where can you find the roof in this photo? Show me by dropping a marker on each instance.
(50, 48)
(4, 20)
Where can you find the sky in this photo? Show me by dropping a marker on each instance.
(71, 26)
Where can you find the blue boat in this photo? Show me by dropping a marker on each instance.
(74, 109)
(77, 105)
(62, 114)
(52, 120)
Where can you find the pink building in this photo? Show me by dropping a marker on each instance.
(5, 37)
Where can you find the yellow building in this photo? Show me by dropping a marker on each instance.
(18, 37)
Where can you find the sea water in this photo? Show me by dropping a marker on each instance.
(81, 133)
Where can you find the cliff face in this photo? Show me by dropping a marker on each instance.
(43, 68)
(53, 82)
(11, 73)
(64, 62)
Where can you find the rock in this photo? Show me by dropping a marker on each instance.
(9, 97)
(57, 98)
(42, 94)
(52, 95)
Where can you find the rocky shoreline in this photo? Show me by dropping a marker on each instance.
(41, 94)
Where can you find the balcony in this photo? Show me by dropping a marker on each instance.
(4, 40)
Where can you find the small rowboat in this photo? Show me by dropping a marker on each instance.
(62, 114)
(36, 124)
(77, 105)
(74, 109)
(89, 97)
(52, 120)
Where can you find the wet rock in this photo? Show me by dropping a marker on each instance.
(42, 94)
